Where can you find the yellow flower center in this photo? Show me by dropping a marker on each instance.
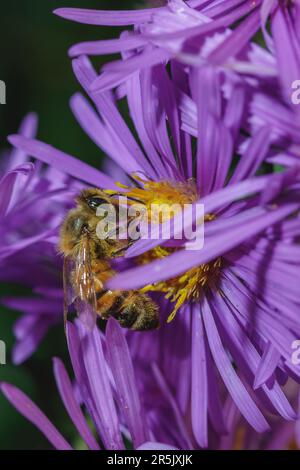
(190, 285)
(185, 287)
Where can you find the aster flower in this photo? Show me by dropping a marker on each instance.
(181, 27)
(180, 30)
(256, 81)
(203, 34)
(34, 199)
(236, 299)
(31, 204)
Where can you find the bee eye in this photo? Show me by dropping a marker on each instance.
(95, 202)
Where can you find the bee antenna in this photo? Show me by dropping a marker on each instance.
(128, 197)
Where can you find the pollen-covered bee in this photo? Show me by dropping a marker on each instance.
(87, 267)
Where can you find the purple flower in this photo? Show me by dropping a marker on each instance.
(185, 31)
(201, 33)
(206, 130)
(237, 298)
(34, 199)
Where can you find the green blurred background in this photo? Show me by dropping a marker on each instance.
(38, 75)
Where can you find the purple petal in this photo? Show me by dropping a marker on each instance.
(109, 46)
(204, 29)
(126, 387)
(233, 383)
(216, 8)
(40, 305)
(23, 325)
(211, 203)
(237, 40)
(8, 184)
(199, 397)
(215, 406)
(82, 381)
(244, 303)
(27, 129)
(235, 110)
(254, 155)
(28, 344)
(224, 157)
(148, 58)
(106, 107)
(167, 96)
(107, 80)
(102, 135)
(62, 161)
(137, 108)
(99, 394)
(183, 260)
(267, 366)
(155, 123)
(106, 17)
(246, 356)
(232, 417)
(156, 446)
(206, 90)
(30, 411)
(278, 182)
(167, 393)
(288, 58)
(8, 250)
(67, 395)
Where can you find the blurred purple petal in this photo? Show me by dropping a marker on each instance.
(93, 361)
(60, 160)
(30, 411)
(199, 398)
(267, 366)
(126, 388)
(156, 446)
(66, 392)
(109, 46)
(237, 390)
(105, 17)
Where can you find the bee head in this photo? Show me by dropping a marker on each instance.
(83, 219)
(91, 199)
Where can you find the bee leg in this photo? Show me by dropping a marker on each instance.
(138, 312)
(122, 250)
(109, 303)
(125, 313)
(130, 308)
(127, 316)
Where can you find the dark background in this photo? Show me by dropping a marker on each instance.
(38, 75)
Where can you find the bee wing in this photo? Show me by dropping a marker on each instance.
(79, 287)
(69, 293)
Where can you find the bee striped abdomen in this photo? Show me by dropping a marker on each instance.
(130, 308)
